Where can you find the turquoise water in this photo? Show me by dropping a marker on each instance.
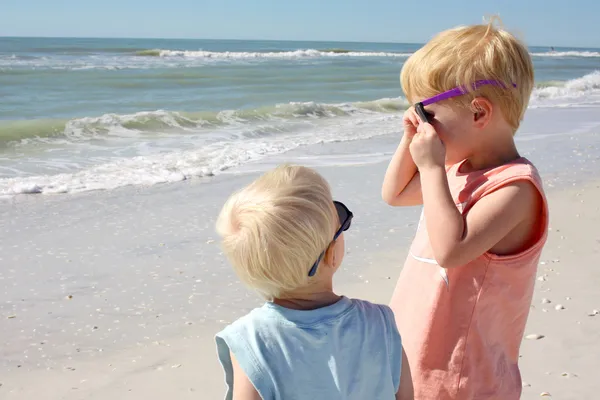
(81, 114)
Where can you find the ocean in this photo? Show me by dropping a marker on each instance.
(98, 114)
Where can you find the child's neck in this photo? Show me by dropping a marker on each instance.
(308, 300)
(492, 154)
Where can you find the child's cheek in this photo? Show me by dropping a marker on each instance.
(441, 131)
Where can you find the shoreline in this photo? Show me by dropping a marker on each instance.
(365, 137)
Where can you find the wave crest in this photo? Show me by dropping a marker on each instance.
(565, 54)
(171, 121)
(295, 54)
(160, 121)
(314, 53)
(588, 85)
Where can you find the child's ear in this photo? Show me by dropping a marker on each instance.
(330, 255)
(482, 111)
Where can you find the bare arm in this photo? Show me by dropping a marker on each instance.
(502, 219)
(456, 239)
(405, 392)
(242, 387)
(401, 184)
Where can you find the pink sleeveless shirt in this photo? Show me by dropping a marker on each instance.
(462, 327)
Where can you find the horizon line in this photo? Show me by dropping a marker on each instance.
(248, 40)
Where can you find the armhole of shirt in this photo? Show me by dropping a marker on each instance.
(453, 167)
(231, 342)
(542, 227)
(394, 346)
(225, 360)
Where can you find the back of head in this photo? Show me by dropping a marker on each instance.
(464, 55)
(274, 229)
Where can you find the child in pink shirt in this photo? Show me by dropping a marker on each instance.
(463, 297)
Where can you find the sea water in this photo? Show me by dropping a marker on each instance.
(88, 114)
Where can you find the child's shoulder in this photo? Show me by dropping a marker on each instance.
(368, 307)
(476, 184)
(520, 166)
(519, 172)
(257, 317)
(374, 313)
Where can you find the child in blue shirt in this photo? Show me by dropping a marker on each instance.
(283, 235)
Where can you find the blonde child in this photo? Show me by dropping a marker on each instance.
(283, 235)
(463, 296)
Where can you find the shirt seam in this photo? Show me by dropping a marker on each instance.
(389, 334)
(391, 322)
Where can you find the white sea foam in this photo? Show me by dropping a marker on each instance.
(172, 58)
(209, 157)
(301, 53)
(565, 54)
(165, 122)
(313, 53)
(576, 92)
(165, 58)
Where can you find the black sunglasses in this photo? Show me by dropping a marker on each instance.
(345, 217)
(425, 116)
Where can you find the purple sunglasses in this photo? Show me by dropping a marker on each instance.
(457, 91)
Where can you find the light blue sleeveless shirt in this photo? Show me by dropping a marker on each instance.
(348, 350)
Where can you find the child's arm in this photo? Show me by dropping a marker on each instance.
(242, 387)
(457, 240)
(405, 392)
(401, 184)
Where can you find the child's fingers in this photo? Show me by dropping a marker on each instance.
(410, 122)
(426, 129)
(410, 116)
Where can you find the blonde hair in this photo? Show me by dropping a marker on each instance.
(274, 229)
(463, 55)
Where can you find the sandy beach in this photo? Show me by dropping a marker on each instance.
(118, 294)
(566, 304)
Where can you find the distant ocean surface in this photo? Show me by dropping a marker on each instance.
(87, 114)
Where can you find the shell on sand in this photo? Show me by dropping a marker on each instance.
(534, 336)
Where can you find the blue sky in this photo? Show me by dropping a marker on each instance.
(550, 22)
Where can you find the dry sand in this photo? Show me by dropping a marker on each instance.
(566, 362)
(175, 358)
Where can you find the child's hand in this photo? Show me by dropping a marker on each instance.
(426, 148)
(410, 121)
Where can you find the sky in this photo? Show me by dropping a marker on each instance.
(548, 23)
